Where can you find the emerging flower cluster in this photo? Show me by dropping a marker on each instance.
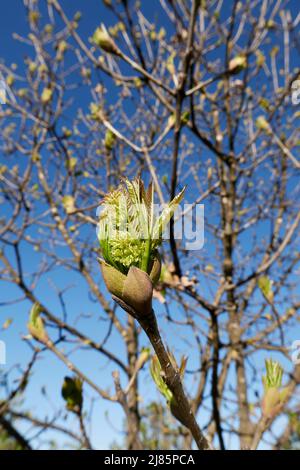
(274, 395)
(129, 232)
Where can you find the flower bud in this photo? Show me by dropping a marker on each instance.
(129, 234)
(271, 402)
(36, 325)
(102, 39)
(72, 394)
(273, 377)
(156, 373)
(46, 95)
(262, 124)
(177, 412)
(158, 377)
(138, 290)
(274, 398)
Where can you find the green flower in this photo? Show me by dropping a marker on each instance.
(237, 64)
(129, 236)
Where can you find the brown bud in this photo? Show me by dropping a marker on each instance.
(135, 288)
(138, 290)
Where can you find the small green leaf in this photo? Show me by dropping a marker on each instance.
(72, 393)
(102, 39)
(109, 140)
(265, 285)
(36, 325)
(46, 95)
(72, 162)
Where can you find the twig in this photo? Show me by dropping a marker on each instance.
(171, 375)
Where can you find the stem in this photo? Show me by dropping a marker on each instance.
(260, 429)
(86, 441)
(172, 379)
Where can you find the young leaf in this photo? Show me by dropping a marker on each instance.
(165, 218)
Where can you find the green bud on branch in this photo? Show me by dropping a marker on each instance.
(72, 394)
(274, 397)
(158, 377)
(129, 236)
(36, 325)
(102, 39)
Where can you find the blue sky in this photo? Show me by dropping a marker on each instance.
(107, 417)
(48, 370)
